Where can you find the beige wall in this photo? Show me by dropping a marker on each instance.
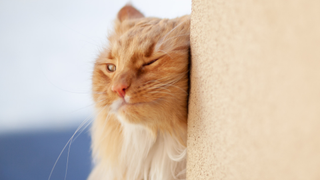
(254, 109)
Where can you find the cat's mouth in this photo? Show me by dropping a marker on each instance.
(122, 103)
(119, 103)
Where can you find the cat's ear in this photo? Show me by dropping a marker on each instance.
(129, 12)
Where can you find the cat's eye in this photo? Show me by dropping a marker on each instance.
(148, 63)
(111, 67)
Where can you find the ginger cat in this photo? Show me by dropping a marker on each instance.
(140, 87)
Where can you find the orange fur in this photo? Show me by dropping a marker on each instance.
(157, 93)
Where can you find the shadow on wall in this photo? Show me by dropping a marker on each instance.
(31, 156)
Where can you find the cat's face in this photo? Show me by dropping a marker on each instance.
(144, 71)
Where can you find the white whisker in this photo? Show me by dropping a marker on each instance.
(159, 87)
(175, 37)
(165, 53)
(162, 40)
(81, 126)
(104, 126)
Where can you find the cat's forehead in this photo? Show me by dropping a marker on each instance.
(139, 38)
(143, 28)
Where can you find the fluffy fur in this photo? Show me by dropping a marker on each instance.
(143, 134)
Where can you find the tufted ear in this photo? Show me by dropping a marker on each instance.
(129, 12)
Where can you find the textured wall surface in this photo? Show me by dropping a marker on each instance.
(254, 111)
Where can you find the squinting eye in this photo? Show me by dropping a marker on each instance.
(111, 67)
(147, 64)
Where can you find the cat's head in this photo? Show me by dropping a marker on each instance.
(142, 76)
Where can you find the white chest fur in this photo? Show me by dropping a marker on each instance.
(144, 156)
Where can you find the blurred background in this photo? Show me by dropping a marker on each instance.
(47, 50)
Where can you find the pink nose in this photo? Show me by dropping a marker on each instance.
(120, 89)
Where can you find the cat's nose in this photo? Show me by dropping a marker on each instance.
(120, 89)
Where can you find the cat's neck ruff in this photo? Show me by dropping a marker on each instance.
(149, 157)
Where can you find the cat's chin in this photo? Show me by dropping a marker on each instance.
(121, 105)
(117, 105)
(128, 112)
